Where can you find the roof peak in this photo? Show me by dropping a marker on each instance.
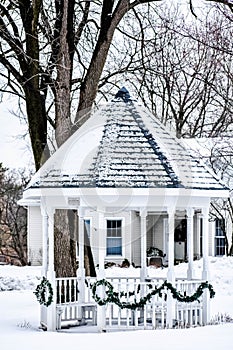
(124, 94)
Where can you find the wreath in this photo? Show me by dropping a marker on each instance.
(44, 292)
(109, 292)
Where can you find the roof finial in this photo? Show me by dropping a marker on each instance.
(124, 94)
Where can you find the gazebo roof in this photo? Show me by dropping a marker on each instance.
(123, 145)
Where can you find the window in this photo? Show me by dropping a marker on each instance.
(114, 237)
(220, 244)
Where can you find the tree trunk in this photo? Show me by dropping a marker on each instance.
(37, 123)
(35, 101)
(89, 86)
(64, 73)
(66, 223)
(64, 248)
(74, 235)
(65, 244)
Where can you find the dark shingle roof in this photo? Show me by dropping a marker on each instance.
(134, 150)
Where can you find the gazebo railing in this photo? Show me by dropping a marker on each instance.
(189, 314)
(72, 310)
(152, 315)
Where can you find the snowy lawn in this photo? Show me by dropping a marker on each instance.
(19, 321)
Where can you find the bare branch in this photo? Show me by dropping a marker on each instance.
(227, 3)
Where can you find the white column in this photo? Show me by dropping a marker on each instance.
(45, 222)
(101, 310)
(51, 212)
(81, 237)
(165, 237)
(205, 243)
(198, 236)
(171, 273)
(143, 269)
(51, 310)
(171, 228)
(190, 213)
(143, 215)
(81, 268)
(205, 271)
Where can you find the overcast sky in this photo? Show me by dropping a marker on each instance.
(14, 151)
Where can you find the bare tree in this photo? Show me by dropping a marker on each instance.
(13, 219)
(187, 81)
(52, 56)
(226, 3)
(221, 161)
(41, 43)
(218, 155)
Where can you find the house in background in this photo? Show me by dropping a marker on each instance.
(217, 240)
(218, 151)
(136, 189)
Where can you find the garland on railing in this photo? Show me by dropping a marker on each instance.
(42, 290)
(114, 297)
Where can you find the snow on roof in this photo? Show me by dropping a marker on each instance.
(124, 145)
(218, 151)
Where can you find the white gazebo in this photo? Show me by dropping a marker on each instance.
(130, 179)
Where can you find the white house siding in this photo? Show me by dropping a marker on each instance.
(155, 231)
(130, 235)
(91, 215)
(127, 237)
(34, 236)
(150, 231)
(100, 228)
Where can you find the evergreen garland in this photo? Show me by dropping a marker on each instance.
(114, 297)
(42, 290)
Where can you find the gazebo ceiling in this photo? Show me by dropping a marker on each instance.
(123, 145)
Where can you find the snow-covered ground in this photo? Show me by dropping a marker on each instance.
(19, 316)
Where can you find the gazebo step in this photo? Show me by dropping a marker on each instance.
(75, 312)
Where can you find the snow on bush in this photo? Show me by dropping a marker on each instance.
(19, 278)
